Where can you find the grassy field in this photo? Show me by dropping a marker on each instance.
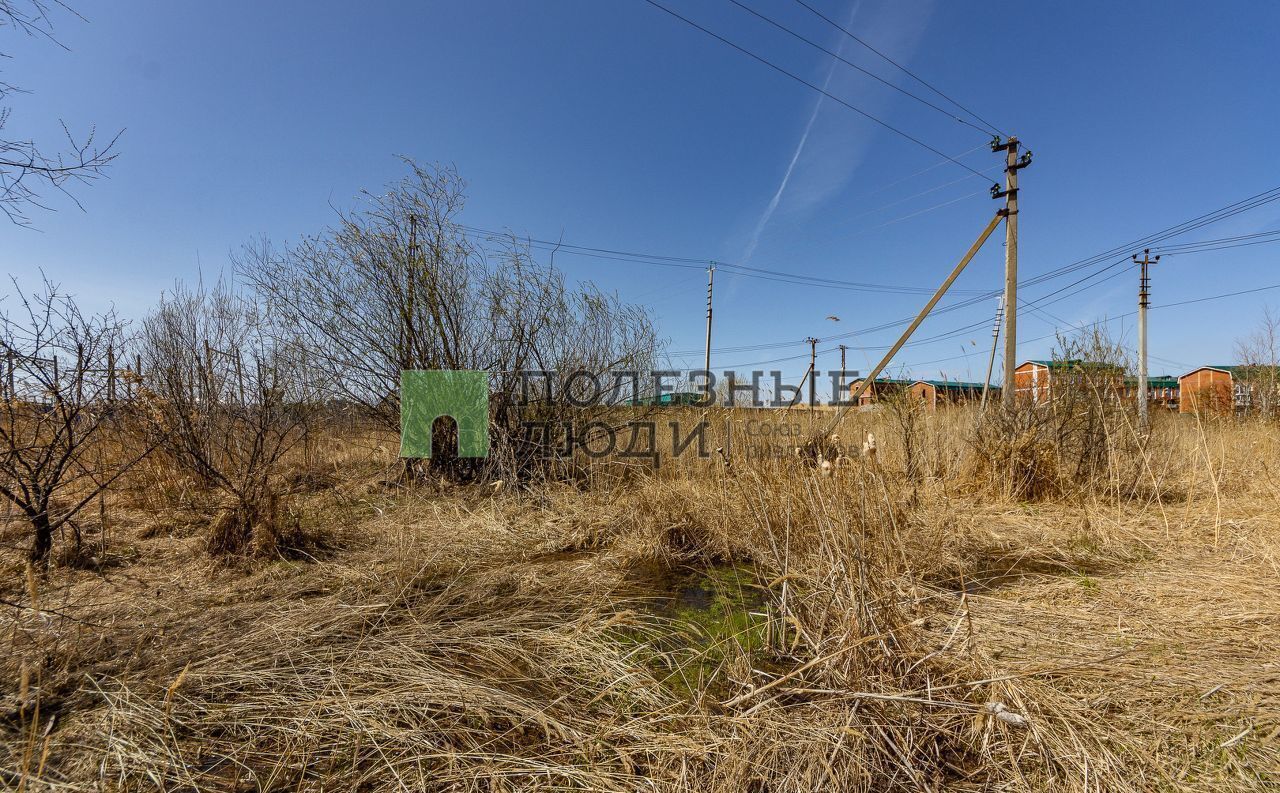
(971, 619)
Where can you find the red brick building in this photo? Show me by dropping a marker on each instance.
(931, 392)
(1035, 380)
(1215, 389)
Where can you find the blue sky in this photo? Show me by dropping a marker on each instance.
(615, 125)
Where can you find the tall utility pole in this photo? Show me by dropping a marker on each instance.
(813, 373)
(1013, 164)
(844, 348)
(1144, 292)
(995, 341)
(711, 277)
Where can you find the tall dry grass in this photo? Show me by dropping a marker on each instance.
(720, 624)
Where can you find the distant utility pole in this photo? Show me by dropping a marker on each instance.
(711, 277)
(1144, 292)
(1013, 164)
(843, 349)
(813, 378)
(995, 341)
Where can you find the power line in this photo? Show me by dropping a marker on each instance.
(977, 295)
(1199, 221)
(817, 88)
(853, 65)
(907, 71)
(1176, 246)
(1033, 305)
(926, 169)
(1127, 314)
(918, 213)
(634, 257)
(1187, 226)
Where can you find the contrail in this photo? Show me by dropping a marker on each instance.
(767, 215)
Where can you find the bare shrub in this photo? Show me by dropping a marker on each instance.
(1080, 433)
(225, 404)
(61, 438)
(1013, 452)
(906, 413)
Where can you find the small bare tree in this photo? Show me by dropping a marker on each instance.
(62, 438)
(25, 165)
(1259, 356)
(226, 404)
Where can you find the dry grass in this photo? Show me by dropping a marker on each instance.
(713, 627)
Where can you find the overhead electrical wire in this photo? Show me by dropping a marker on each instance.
(1108, 320)
(819, 89)
(1186, 226)
(1199, 221)
(924, 170)
(731, 268)
(1151, 240)
(994, 129)
(837, 56)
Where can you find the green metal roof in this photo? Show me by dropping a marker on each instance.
(1072, 363)
(1229, 368)
(888, 381)
(955, 385)
(1155, 381)
(945, 384)
(673, 398)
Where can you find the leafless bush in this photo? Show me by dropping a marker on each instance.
(401, 285)
(1078, 432)
(59, 419)
(906, 411)
(226, 404)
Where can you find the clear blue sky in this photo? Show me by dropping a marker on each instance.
(615, 125)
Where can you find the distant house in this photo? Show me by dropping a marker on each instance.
(1162, 390)
(1035, 380)
(1210, 389)
(949, 392)
(1225, 389)
(882, 388)
(931, 392)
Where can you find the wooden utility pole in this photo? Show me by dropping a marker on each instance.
(995, 342)
(1010, 212)
(1144, 292)
(711, 279)
(843, 349)
(813, 372)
